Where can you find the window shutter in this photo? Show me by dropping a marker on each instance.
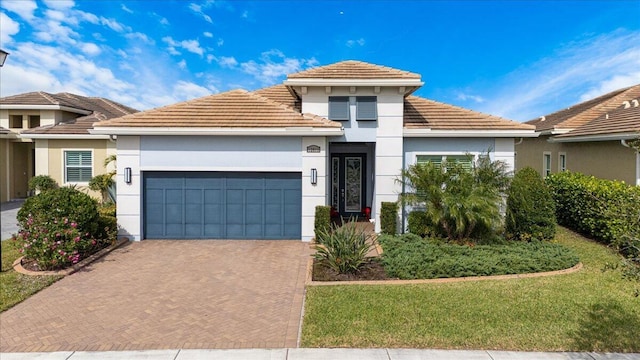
(338, 108)
(78, 166)
(434, 159)
(366, 108)
(462, 160)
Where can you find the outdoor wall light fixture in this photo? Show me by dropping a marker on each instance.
(127, 175)
(3, 57)
(314, 176)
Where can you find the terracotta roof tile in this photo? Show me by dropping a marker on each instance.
(351, 69)
(282, 95)
(101, 108)
(620, 120)
(423, 113)
(580, 114)
(236, 108)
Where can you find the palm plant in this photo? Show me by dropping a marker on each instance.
(342, 248)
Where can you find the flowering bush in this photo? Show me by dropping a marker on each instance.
(55, 244)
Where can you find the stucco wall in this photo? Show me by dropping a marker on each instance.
(4, 170)
(602, 159)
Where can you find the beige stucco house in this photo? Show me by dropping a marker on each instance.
(591, 137)
(47, 134)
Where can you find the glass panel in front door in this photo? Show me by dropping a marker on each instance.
(353, 184)
(335, 183)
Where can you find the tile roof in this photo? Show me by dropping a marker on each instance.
(101, 109)
(351, 69)
(422, 113)
(282, 95)
(580, 114)
(619, 121)
(231, 109)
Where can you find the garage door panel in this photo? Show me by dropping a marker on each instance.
(213, 205)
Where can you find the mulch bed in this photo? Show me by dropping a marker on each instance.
(372, 270)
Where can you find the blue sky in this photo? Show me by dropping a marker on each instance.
(517, 59)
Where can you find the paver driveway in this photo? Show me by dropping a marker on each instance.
(169, 294)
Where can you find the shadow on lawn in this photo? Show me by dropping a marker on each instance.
(608, 327)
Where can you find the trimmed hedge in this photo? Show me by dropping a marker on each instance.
(598, 208)
(531, 210)
(418, 223)
(389, 218)
(410, 257)
(42, 183)
(322, 222)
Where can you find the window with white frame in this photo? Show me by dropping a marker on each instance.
(339, 108)
(546, 164)
(78, 166)
(466, 161)
(562, 162)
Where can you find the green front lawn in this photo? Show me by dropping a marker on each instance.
(590, 310)
(15, 286)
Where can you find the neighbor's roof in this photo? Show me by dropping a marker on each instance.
(231, 109)
(99, 108)
(582, 113)
(421, 113)
(352, 69)
(623, 120)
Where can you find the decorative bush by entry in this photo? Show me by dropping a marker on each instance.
(419, 224)
(601, 209)
(322, 221)
(62, 226)
(531, 211)
(342, 248)
(411, 257)
(388, 218)
(42, 183)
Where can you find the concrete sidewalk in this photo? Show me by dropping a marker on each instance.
(317, 354)
(8, 222)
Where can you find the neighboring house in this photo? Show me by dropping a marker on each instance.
(254, 165)
(590, 137)
(47, 134)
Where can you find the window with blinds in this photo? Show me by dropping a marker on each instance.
(463, 160)
(77, 166)
(338, 108)
(366, 108)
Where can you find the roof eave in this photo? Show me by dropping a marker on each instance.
(44, 107)
(276, 131)
(599, 137)
(353, 82)
(65, 136)
(429, 133)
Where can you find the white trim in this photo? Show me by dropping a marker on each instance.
(44, 107)
(544, 164)
(555, 131)
(604, 137)
(65, 136)
(64, 167)
(353, 82)
(279, 131)
(427, 133)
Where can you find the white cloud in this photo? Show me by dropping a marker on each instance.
(245, 14)
(189, 45)
(60, 4)
(126, 9)
(273, 65)
(7, 29)
(24, 8)
(53, 31)
(182, 64)
(598, 64)
(114, 25)
(90, 49)
(220, 42)
(187, 90)
(464, 97)
(227, 61)
(140, 36)
(198, 10)
(207, 34)
(352, 43)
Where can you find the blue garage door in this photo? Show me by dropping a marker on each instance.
(222, 205)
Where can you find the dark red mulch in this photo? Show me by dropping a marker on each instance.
(371, 270)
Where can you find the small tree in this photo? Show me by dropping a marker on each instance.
(102, 183)
(458, 200)
(530, 208)
(42, 183)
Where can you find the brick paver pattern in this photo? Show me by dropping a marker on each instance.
(168, 295)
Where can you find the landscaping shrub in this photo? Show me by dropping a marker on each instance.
(342, 249)
(531, 211)
(42, 183)
(322, 220)
(101, 183)
(388, 218)
(419, 224)
(61, 203)
(601, 209)
(427, 259)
